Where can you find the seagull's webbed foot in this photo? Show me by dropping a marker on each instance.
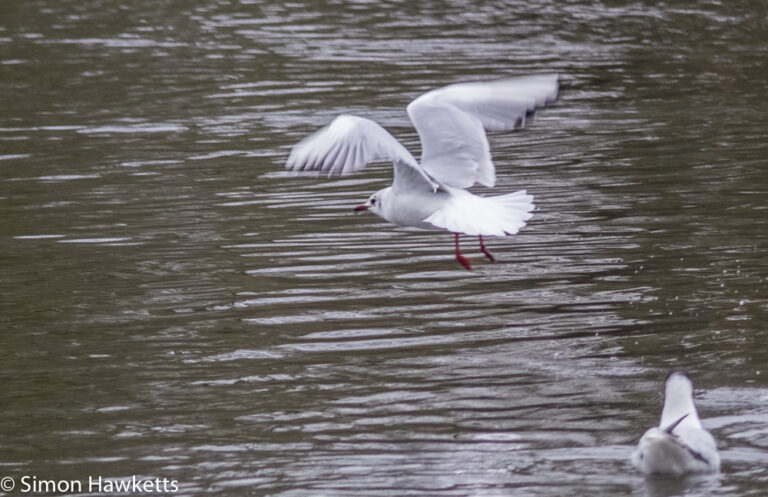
(460, 258)
(467, 263)
(485, 250)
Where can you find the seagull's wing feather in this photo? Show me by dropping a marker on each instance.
(348, 144)
(454, 146)
(451, 122)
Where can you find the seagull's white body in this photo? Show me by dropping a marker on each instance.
(451, 123)
(679, 445)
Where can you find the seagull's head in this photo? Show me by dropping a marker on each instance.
(375, 202)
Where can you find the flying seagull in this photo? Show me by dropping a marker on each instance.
(679, 445)
(432, 194)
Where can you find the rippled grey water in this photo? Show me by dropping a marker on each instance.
(175, 306)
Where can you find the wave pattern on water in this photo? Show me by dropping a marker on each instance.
(176, 304)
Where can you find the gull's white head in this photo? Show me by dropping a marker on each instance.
(678, 401)
(376, 202)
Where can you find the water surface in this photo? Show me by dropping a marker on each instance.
(175, 306)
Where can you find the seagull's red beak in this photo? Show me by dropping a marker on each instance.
(362, 207)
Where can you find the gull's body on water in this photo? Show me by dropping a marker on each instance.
(431, 194)
(679, 445)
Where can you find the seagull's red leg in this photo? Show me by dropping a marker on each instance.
(460, 258)
(485, 250)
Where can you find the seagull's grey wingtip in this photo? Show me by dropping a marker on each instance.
(293, 163)
(289, 163)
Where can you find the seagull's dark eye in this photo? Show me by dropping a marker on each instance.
(373, 201)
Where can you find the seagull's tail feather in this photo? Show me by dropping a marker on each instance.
(469, 214)
(516, 209)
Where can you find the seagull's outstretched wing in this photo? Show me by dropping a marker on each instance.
(451, 122)
(348, 144)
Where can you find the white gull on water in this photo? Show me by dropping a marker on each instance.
(451, 123)
(679, 445)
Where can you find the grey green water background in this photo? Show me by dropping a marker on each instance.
(175, 306)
